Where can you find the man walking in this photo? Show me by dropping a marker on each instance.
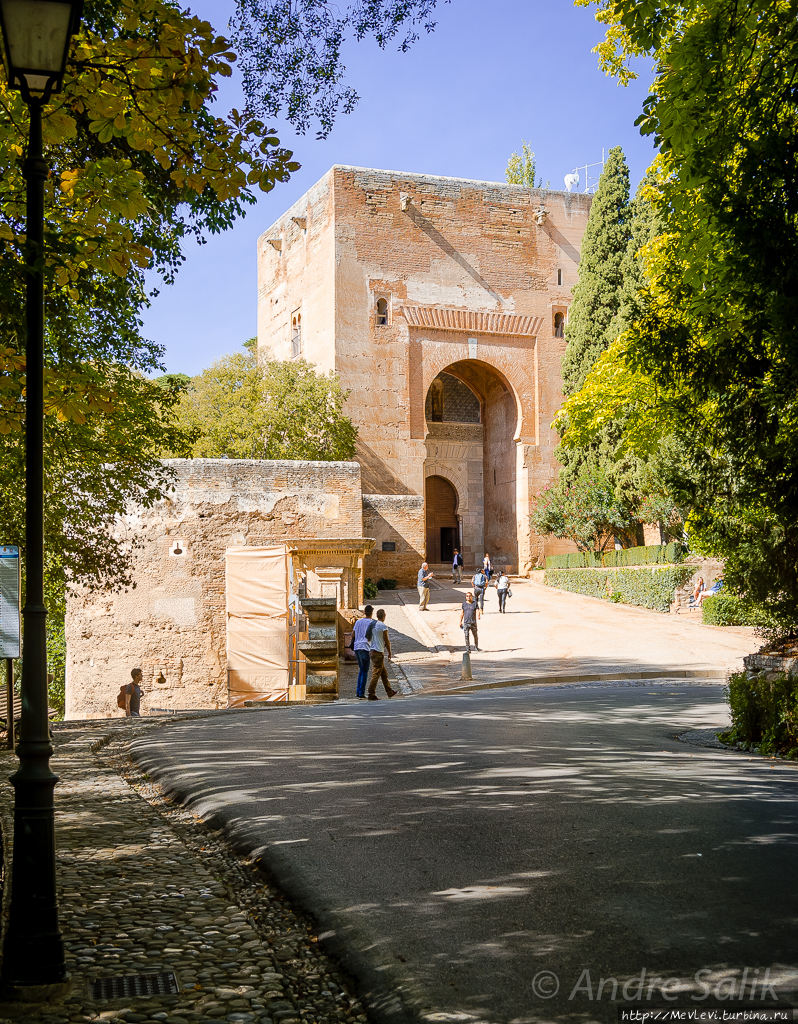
(457, 567)
(380, 643)
(423, 586)
(468, 621)
(360, 645)
(133, 695)
(479, 582)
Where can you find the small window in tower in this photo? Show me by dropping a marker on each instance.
(559, 275)
(296, 334)
(559, 324)
(382, 313)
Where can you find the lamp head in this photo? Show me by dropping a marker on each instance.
(36, 37)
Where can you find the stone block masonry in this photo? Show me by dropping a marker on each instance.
(172, 624)
(396, 522)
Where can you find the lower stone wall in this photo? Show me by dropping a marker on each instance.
(172, 624)
(394, 519)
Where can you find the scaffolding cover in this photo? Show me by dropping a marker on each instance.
(257, 624)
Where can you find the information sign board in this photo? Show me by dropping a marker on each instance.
(9, 602)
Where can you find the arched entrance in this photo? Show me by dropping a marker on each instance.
(440, 506)
(472, 416)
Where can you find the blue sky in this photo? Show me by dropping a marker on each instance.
(457, 104)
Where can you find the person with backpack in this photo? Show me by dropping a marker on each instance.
(479, 583)
(360, 645)
(377, 633)
(129, 697)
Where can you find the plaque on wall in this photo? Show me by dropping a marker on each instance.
(389, 545)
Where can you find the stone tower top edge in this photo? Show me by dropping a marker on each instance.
(422, 177)
(577, 198)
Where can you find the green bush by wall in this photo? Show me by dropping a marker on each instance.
(653, 554)
(731, 610)
(764, 713)
(648, 586)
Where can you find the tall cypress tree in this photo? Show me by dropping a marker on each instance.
(597, 295)
(605, 302)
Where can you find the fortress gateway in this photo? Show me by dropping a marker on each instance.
(440, 302)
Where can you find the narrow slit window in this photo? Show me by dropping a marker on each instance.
(296, 335)
(559, 275)
(382, 313)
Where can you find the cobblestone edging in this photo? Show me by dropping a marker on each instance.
(145, 887)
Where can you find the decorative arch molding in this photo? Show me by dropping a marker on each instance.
(433, 467)
(438, 318)
(439, 359)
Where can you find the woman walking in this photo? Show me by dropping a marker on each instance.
(502, 589)
(487, 566)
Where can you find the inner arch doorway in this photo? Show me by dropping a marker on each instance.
(472, 418)
(440, 504)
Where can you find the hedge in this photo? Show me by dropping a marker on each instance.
(731, 610)
(764, 713)
(647, 586)
(653, 554)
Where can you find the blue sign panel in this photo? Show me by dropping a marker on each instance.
(9, 602)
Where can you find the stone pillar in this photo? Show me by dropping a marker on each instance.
(320, 649)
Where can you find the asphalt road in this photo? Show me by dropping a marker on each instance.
(493, 857)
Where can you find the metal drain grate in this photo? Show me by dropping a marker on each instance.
(134, 985)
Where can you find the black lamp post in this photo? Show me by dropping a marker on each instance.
(36, 36)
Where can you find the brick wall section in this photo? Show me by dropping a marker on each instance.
(398, 519)
(173, 623)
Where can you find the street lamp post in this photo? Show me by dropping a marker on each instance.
(36, 36)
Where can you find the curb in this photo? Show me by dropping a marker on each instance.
(430, 639)
(598, 678)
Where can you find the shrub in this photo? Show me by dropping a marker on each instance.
(764, 712)
(369, 587)
(652, 554)
(731, 610)
(383, 584)
(648, 586)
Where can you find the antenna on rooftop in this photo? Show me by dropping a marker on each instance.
(591, 176)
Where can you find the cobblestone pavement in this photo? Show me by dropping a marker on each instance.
(146, 888)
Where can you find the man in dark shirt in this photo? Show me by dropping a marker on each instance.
(468, 620)
(133, 695)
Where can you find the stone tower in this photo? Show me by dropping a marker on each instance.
(441, 303)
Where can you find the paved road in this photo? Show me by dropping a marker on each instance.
(454, 848)
(550, 632)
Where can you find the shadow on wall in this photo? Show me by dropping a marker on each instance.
(375, 476)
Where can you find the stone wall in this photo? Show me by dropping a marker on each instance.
(398, 520)
(173, 623)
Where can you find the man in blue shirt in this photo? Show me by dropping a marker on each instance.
(423, 586)
(361, 645)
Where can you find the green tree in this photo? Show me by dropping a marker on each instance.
(250, 409)
(521, 167)
(597, 294)
(139, 162)
(291, 52)
(718, 327)
(585, 511)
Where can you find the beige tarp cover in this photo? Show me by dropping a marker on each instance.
(257, 624)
